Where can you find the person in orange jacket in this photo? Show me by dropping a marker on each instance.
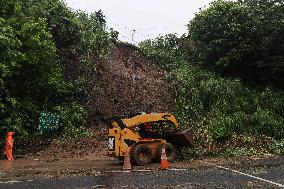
(9, 146)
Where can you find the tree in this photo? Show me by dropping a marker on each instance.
(27, 62)
(48, 60)
(242, 39)
(166, 50)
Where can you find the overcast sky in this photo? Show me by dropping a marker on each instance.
(149, 18)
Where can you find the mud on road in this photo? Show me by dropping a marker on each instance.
(263, 172)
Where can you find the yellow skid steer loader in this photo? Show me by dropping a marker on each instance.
(145, 134)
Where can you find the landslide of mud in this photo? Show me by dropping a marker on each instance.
(128, 83)
(52, 148)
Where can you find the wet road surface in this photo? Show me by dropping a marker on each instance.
(246, 174)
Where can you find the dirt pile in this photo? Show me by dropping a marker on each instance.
(128, 83)
(52, 148)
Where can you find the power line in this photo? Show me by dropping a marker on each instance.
(132, 34)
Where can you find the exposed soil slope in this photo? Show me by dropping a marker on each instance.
(127, 84)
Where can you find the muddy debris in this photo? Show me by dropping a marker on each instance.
(128, 83)
(54, 149)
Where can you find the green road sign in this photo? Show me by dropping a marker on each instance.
(48, 122)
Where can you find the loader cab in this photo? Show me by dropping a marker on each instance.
(149, 130)
(156, 130)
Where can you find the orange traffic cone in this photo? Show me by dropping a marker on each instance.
(127, 163)
(164, 160)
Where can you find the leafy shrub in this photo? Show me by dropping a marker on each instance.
(278, 146)
(265, 123)
(73, 133)
(71, 115)
(221, 128)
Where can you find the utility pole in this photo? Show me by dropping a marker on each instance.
(133, 35)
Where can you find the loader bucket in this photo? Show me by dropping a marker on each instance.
(181, 139)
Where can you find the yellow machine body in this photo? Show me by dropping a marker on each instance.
(128, 132)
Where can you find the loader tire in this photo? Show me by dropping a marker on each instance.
(170, 152)
(141, 154)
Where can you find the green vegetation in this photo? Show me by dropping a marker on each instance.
(48, 58)
(228, 71)
(241, 39)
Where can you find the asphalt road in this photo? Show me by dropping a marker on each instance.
(246, 174)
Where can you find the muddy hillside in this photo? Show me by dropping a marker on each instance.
(127, 84)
